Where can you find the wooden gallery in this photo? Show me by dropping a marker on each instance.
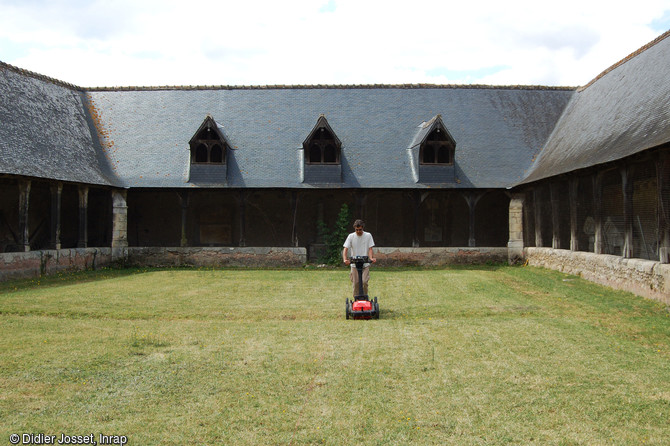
(572, 178)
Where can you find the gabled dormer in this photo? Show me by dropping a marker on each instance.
(434, 150)
(322, 154)
(209, 150)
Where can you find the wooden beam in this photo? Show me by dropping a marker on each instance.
(183, 203)
(554, 196)
(537, 205)
(663, 192)
(24, 205)
(56, 200)
(598, 212)
(83, 217)
(573, 190)
(627, 191)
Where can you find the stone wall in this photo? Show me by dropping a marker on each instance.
(16, 265)
(643, 277)
(438, 256)
(207, 256)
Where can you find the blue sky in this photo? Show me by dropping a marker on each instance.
(169, 42)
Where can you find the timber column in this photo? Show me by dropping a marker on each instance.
(24, 205)
(119, 224)
(83, 217)
(663, 185)
(56, 195)
(515, 243)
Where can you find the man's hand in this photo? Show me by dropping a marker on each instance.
(373, 260)
(347, 262)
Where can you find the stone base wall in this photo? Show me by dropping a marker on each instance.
(17, 265)
(438, 256)
(218, 257)
(642, 277)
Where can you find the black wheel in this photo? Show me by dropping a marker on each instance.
(347, 308)
(376, 309)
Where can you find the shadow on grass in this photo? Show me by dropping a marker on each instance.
(72, 277)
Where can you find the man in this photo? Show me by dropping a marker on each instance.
(358, 243)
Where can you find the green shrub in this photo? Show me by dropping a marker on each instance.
(335, 236)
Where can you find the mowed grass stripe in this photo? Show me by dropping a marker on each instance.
(485, 355)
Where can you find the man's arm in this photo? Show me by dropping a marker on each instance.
(371, 255)
(345, 257)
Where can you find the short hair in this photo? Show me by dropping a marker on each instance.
(359, 223)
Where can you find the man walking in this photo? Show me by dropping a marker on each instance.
(358, 243)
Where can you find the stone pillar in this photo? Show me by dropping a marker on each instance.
(83, 217)
(56, 194)
(555, 216)
(119, 223)
(24, 205)
(627, 189)
(574, 230)
(598, 212)
(515, 244)
(183, 202)
(663, 186)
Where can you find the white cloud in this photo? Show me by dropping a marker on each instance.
(151, 42)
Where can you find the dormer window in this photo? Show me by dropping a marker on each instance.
(322, 145)
(322, 155)
(433, 153)
(209, 150)
(437, 148)
(208, 146)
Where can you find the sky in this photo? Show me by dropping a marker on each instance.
(110, 43)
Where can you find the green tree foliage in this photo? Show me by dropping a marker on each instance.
(333, 237)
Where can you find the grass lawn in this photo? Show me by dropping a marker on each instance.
(462, 356)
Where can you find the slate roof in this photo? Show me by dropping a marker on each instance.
(45, 132)
(498, 131)
(625, 110)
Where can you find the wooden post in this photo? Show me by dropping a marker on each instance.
(24, 205)
(360, 197)
(56, 199)
(537, 204)
(417, 207)
(573, 186)
(294, 207)
(83, 217)
(183, 203)
(627, 190)
(663, 187)
(472, 199)
(598, 212)
(555, 216)
(242, 203)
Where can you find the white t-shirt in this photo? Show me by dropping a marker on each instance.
(359, 245)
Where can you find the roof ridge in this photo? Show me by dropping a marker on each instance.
(632, 55)
(39, 76)
(331, 87)
(283, 87)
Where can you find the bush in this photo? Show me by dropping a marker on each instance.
(335, 236)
